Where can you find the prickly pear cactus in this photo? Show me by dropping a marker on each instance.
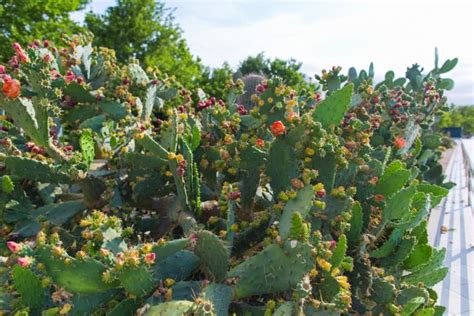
(123, 193)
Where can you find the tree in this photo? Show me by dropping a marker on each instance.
(461, 116)
(23, 21)
(145, 29)
(213, 81)
(289, 69)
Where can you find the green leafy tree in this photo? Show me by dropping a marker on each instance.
(214, 80)
(289, 70)
(461, 116)
(23, 21)
(145, 29)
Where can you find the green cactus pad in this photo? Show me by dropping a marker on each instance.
(332, 109)
(32, 117)
(393, 179)
(301, 204)
(399, 204)
(275, 269)
(354, 233)
(339, 252)
(284, 309)
(177, 266)
(86, 304)
(126, 307)
(428, 278)
(86, 142)
(34, 170)
(437, 193)
(382, 291)
(213, 253)
(170, 247)
(400, 254)
(419, 256)
(299, 230)
(221, 296)
(7, 184)
(281, 166)
(78, 276)
(328, 288)
(136, 281)
(28, 285)
(60, 213)
(407, 294)
(79, 93)
(174, 308)
(326, 167)
(186, 290)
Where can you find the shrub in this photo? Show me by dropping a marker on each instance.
(119, 193)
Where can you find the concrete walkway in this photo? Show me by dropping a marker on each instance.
(451, 225)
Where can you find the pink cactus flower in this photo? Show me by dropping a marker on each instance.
(150, 258)
(14, 246)
(24, 261)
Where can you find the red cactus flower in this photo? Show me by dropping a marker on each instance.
(242, 110)
(260, 142)
(234, 195)
(150, 257)
(321, 193)
(278, 128)
(379, 197)
(11, 88)
(399, 142)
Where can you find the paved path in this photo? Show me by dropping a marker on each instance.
(456, 292)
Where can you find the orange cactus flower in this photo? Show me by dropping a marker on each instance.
(278, 128)
(11, 88)
(399, 142)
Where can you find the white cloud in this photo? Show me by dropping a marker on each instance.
(322, 34)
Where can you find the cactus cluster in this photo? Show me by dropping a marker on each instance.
(124, 193)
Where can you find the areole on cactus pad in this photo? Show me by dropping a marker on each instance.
(124, 193)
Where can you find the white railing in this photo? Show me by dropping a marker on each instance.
(467, 146)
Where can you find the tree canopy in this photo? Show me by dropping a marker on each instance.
(289, 70)
(462, 116)
(26, 20)
(145, 29)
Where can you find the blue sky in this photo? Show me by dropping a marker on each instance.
(321, 34)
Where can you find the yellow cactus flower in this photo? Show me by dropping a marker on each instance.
(342, 280)
(326, 266)
(291, 102)
(169, 282)
(65, 309)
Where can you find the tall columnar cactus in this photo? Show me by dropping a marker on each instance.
(148, 203)
(251, 81)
